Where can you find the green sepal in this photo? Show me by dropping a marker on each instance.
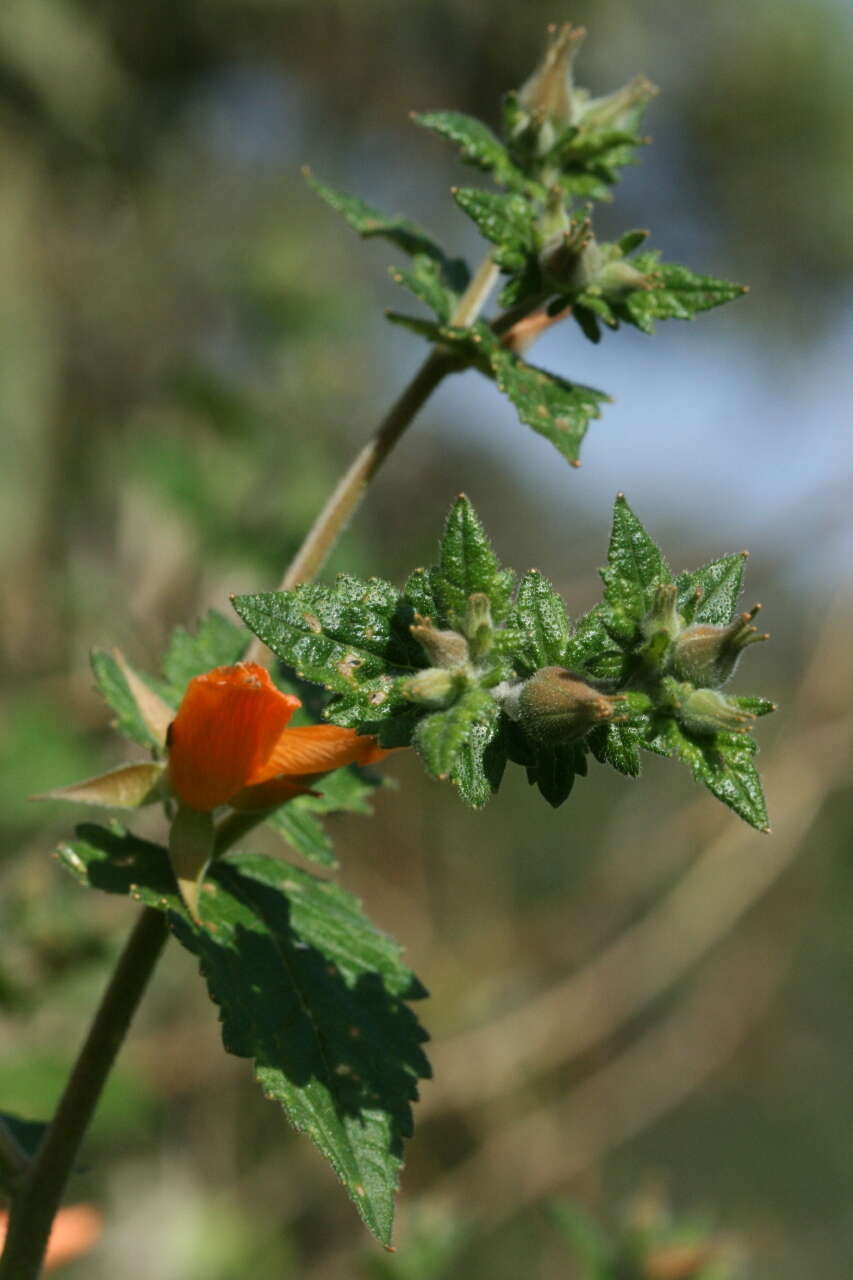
(476, 143)
(306, 987)
(554, 769)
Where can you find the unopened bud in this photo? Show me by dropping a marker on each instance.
(434, 687)
(617, 111)
(663, 615)
(442, 648)
(547, 95)
(571, 260)
(706, 711)
(707, 655)
(556, 706)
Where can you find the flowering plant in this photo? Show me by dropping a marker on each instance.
(474, 668)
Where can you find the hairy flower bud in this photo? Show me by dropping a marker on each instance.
(663, 615)
(706, 711)
(556, 706)
(442, 648)
(434, 687)
(618, 110)
(546, 95)
(707, 655)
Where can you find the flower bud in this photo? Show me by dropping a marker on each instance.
(571, 259)
(434, 687)
(617, 111)
(663, 615)
(556, 706)
(442, 648)
(705, 711)
(546, 96)
(707, 655)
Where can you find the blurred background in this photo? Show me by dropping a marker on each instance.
(633, 996)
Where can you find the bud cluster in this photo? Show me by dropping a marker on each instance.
(456, 658)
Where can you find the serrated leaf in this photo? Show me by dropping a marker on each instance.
(505, 220)
(677, 294)
(720, 584)
(592, 649)
(477, 144)
(616, 745)
(307, 988)
(440, 736)
(635, 567)
(369, 222)
(113, 686)
(343, 637)
(723, 762)
(425, 281)
(480, 764)
(467, 564)
(217, 642)
(419, 592)
(559, 410)
(304, 833)
(553, 771)
(540, 615)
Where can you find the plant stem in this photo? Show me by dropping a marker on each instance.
(350, 489)
(40, 1193)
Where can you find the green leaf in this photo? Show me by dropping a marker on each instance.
(553, 771)
(635, 567)
(343, 637)
(505, 220)
(113, 687)
(719, 583)
(440, 737)
(540, 616)
(678, 294)
(593, 651)
(425, 281)
(755, 706)
(481, 761)
(723, 762)
(467, 564)
(369, 222)
(558, 410)
(304, 833)
(477, 145)
(616, 745)
(218, 642)
(307, 988)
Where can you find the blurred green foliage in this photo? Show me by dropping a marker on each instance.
(189, 352)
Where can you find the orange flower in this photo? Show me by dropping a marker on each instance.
(229, 743)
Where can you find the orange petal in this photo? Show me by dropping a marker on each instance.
(318, 748)
(75, 1230)
(226, 728)
(269, 795)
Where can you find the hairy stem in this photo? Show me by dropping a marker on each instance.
(350, 489)
(41, 1188)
